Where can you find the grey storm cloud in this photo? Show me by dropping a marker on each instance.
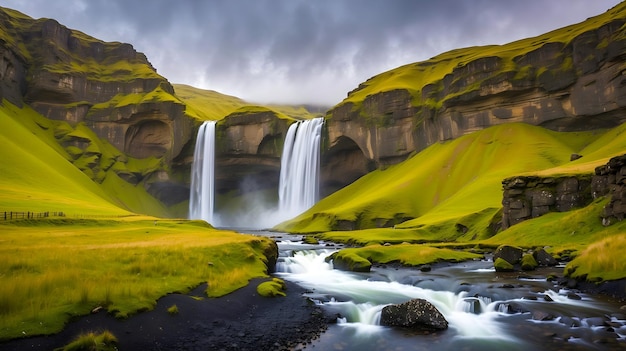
(302, 51)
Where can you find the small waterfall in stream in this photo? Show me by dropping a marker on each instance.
(202, 191)
(299, 170)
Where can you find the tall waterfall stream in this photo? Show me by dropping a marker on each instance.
(485, 310)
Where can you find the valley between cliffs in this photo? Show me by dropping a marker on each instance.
(520, 144)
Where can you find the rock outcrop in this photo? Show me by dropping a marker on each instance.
(527, 197)
(415, 314)
(560, 80)
(610, 179)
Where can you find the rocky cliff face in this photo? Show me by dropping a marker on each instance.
(610, 179)
(109, 87)
(527, 197)
(561, 81)
(248, 149)
(530, 197)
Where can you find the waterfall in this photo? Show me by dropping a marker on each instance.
(299, 171)
(201, 197)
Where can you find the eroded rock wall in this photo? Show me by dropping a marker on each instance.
(527, 197)
(611, 179)
(530, 197)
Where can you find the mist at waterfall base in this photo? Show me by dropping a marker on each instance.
(485, 310)
(298, 188)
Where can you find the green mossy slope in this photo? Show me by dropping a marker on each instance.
(206, 104)
(211, 105)
(37, 174)
(454, 192)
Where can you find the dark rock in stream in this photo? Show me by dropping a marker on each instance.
(543, 258)
(542, 316)
(416, 313)
(511, 254)
(426, 268)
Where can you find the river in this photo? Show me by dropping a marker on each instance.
(486, 310)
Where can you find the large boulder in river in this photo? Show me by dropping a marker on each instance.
(510, 254)
(416, 313)
(543, 258)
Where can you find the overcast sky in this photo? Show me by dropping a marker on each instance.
(302, 51)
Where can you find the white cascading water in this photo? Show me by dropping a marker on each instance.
(299, 170)
(476, 322)
(367, 298)
(202, 191)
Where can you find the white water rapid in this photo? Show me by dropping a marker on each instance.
(202, 191)
(365, 299)
(476, 322)
(299, 170)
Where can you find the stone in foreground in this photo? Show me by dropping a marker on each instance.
(416, 314)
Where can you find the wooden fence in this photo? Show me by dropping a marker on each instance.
(29, 215)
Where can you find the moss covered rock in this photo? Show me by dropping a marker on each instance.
(511, 254)
(543, 258)
(349, 261)
(501, 265)
(529, 263)
(272, 288)
(310, 240)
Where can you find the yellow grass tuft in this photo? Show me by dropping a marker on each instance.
(104, 341)
(600, 261)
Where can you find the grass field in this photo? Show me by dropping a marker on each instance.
(53, 269)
